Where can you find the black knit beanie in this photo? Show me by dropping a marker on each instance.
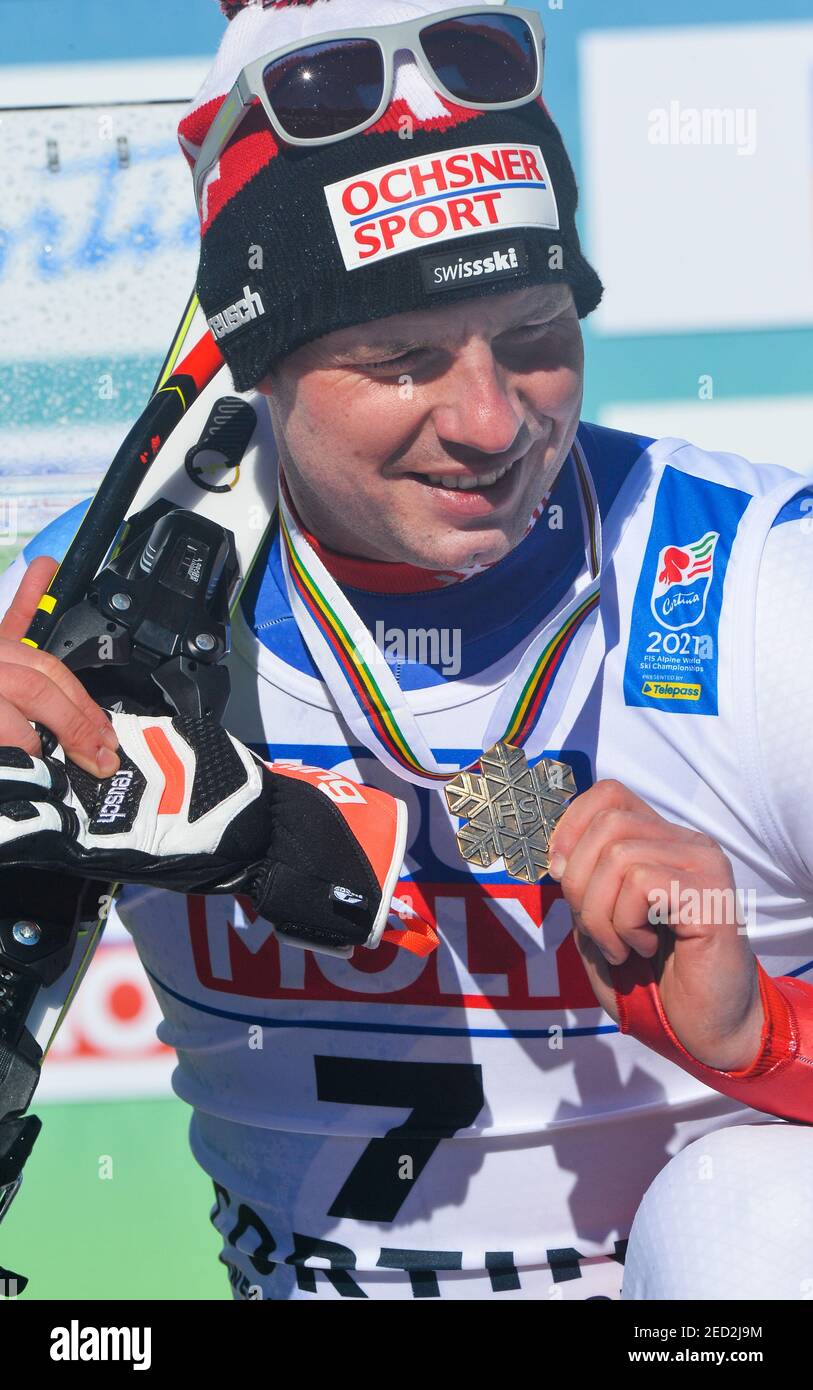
(434, 204)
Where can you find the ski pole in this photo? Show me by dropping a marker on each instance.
(121, 482)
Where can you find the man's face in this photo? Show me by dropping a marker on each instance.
(430, 436)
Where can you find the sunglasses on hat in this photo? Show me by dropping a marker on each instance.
(340, 83)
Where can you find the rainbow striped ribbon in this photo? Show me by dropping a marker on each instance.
(364, 687)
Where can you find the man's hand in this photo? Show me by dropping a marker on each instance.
(35, 687)
(620, 864)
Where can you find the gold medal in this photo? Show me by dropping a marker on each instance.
(511, 810)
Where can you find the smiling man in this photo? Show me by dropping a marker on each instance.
(389, 256)
(400, 443)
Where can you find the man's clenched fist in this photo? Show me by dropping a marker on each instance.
(636, 882)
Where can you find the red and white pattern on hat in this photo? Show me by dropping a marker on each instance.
(256, 29)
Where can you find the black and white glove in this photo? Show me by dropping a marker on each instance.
(192, 810)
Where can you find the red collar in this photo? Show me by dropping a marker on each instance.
(379, 576)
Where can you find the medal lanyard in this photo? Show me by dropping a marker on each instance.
(366, 691)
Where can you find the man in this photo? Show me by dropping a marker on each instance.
(460, 561)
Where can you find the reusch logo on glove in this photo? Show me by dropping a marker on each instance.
(111, 808)
(496, 263)
(437, 198)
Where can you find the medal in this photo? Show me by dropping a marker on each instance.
(510, 810)
(369, 697)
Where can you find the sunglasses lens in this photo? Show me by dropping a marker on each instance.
(483, 58)
(326, 88)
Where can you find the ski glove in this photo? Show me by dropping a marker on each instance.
(192, 810)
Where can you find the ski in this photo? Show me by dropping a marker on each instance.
(200, 449)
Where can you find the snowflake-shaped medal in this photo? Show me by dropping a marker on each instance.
(511, 810)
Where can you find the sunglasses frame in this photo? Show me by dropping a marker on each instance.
(390, 39)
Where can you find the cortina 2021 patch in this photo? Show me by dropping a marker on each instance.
(495, 263)
(674, 633)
